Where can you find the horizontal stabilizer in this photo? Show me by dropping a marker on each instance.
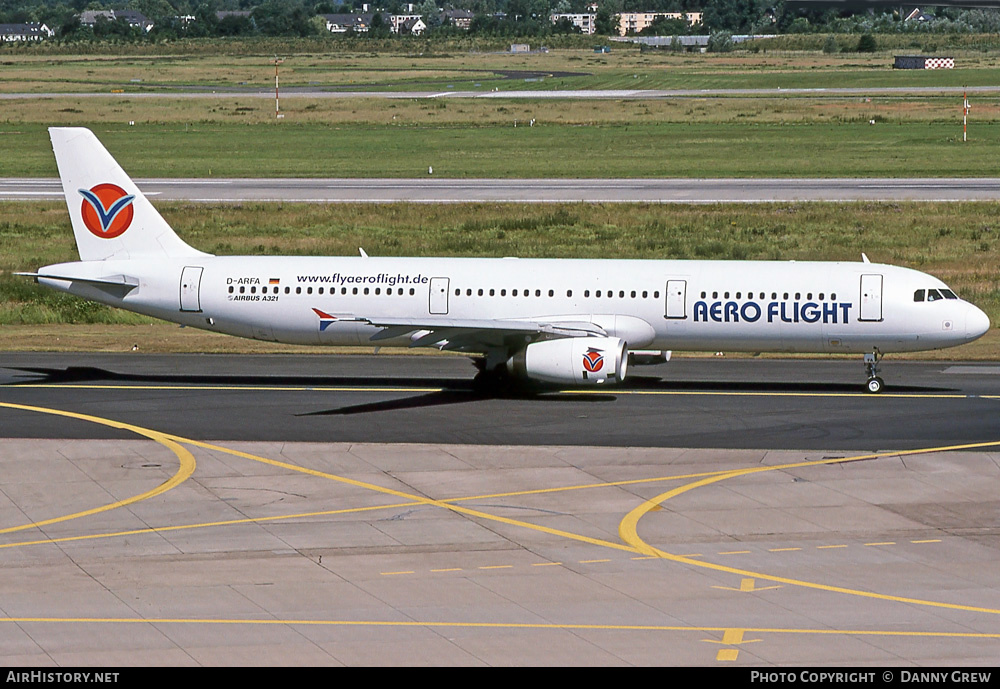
(118, 284)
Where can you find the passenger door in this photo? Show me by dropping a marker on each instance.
(871, 298)
(439, 296)
(191, 288)
(676, 295)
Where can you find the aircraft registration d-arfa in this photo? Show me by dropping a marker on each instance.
(566, 321)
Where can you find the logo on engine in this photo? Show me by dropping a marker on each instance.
(107, 210)
(593, 361)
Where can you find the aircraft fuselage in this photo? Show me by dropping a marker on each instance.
(681, 305)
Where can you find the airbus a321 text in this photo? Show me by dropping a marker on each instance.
(561, 321)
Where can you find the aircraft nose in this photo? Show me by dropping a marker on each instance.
(976, 322)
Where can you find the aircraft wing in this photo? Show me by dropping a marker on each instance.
(473, 334)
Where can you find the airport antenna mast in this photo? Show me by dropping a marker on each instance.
(965, 116)
(277, 109)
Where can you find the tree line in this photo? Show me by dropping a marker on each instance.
(176, 19)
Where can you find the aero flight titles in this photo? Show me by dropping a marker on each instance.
(784, 311)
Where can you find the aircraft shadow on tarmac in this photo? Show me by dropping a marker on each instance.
(450, 390)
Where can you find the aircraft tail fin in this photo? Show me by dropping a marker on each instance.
(111, 218)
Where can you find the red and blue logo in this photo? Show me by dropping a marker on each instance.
(107, 210)
(325, 319)
(593, 361)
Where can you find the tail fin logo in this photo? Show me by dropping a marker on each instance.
(107, 210)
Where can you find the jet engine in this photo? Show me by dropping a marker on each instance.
(572, 361)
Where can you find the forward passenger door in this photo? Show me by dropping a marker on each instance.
(676, 295)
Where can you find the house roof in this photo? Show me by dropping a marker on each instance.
(29, 30)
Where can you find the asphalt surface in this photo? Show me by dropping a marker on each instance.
(437, 190)
(697, 403)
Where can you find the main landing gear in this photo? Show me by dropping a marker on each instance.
(875, 384)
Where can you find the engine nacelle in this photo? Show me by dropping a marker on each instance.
(573, 361)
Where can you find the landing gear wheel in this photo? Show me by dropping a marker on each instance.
(875, 384)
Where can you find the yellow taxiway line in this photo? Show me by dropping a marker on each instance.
(628, 528)
(186, 465)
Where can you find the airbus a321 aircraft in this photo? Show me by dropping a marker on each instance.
(569, 322)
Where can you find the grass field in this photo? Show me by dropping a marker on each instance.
(754, 146)
(626, 67)
(735, 136)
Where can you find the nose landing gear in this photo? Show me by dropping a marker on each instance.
(875, 384)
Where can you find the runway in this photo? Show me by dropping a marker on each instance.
(438, 190)
(333, 92)
(319, 510)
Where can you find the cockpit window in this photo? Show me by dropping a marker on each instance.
(934, 294)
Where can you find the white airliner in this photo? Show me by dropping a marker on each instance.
(561, 321)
